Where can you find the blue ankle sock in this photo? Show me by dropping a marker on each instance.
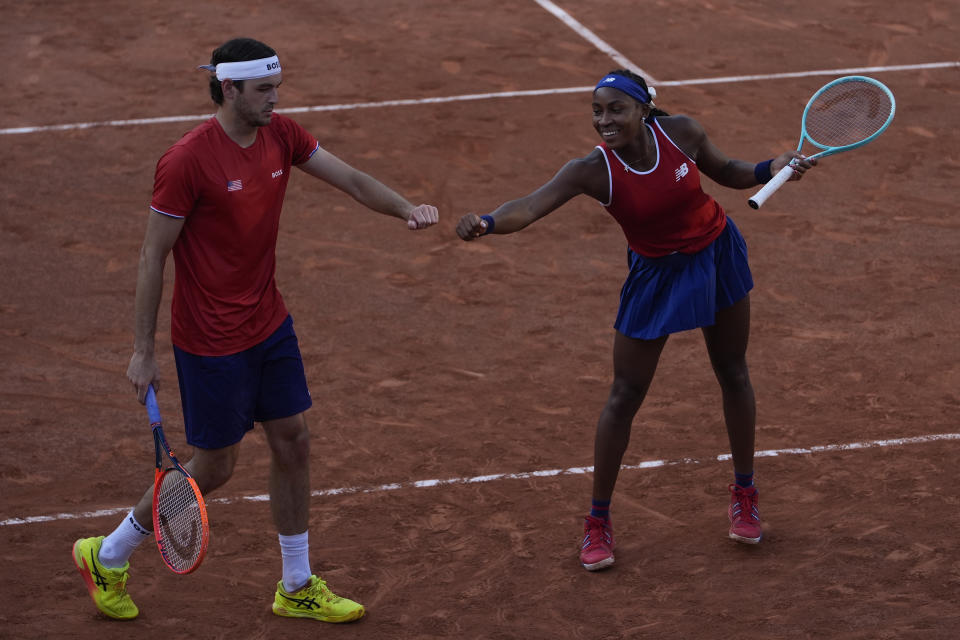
(600, 509)
(744, 480)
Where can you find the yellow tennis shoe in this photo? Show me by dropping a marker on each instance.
(315, 601)
(107, 587)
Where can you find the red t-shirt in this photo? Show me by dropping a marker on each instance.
(663, 210)
(225, 296)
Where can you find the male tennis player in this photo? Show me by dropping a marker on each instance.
(216, 205)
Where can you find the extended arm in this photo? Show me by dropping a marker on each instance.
(736, 174)
(585, 175)
(367, 190)
(162, 232)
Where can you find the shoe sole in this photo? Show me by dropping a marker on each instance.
(81, 564)
(350, 617)
(744, 539)
(597, 566)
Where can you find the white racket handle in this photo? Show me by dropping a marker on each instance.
(761, 196)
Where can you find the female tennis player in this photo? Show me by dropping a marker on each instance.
(688, 269)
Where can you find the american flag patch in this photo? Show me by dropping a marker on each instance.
(234, 185)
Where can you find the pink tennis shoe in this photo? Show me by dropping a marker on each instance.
(596, 550)
(744, 514)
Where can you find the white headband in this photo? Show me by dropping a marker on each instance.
(246, 70)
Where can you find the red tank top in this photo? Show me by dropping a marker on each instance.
(663, 210)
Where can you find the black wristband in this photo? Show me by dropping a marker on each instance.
(490, 224)
(762, 171)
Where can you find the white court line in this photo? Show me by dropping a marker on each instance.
(593, 39)
(526, 475)
(806, 74)
(483, 96)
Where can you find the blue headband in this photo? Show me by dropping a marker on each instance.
(625, 84)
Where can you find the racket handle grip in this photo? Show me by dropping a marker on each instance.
(761, 196)
(152, 409)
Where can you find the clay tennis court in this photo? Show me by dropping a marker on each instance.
(456, 386)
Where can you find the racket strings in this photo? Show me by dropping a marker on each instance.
(179, 521)
(847, 113)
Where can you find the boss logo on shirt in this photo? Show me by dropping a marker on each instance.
(681, 171)
(277, 173)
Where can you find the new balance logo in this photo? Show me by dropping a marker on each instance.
(682, 171)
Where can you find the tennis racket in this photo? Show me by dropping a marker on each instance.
(179, 512)
(843, 115)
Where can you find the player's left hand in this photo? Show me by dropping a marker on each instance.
(422, 216)
(800, 166)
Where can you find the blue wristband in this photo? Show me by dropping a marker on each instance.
(490, 224)
(762, 171)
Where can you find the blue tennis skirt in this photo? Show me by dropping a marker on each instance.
(683, 291)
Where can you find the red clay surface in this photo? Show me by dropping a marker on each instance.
(429, 358)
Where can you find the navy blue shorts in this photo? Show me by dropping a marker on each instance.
(222, 396)
(683, 291)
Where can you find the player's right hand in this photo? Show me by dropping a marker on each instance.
(471, 227)
(422, 216)
(142, 372)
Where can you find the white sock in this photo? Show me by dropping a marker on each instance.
(295, 551)
(119, 545)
